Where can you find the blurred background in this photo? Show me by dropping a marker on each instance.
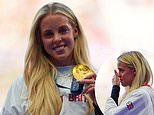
(111, 26)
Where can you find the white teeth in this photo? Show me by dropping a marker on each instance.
(59, 48)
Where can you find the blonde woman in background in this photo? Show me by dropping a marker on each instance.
(134, 73)
(57, 43)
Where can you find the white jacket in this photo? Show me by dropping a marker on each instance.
(137, 102)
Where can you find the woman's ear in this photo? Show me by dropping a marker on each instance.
(76, 32)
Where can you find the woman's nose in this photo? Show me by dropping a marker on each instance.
(57, 38)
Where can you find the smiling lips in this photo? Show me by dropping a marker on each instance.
(59, 48)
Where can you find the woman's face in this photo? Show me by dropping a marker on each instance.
(126, 74)
(57, 36)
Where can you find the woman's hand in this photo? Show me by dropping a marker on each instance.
(116, 79)
(90, 89)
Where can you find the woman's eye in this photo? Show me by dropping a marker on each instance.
(63, 30)
(121, 70)
(48, 34)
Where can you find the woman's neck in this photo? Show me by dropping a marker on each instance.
(63, 62)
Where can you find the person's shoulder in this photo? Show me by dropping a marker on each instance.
(137, 91)
(15, 97)
(18, 83)
(143, 92)
(19, 80)
(146, 90)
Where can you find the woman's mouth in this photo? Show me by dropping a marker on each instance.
(121, 79)
(59, 48)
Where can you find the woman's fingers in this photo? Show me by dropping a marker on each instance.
(115, 79)
(116, 73)
(89, 89)
(89, 79)
(90, 86)
(91, 76)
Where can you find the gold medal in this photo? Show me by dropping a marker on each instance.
(81, 71)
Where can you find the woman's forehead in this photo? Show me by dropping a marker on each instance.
(54, 21)
(122, 64)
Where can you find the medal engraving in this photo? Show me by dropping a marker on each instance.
(81, 71)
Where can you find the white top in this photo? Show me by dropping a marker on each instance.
(137, 102)
(16, 104)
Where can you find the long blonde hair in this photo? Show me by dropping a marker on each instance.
(39, 71)
(136, 60)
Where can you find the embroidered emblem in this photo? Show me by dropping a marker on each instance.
(130, 105)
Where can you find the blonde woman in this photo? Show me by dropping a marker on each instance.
(57, 43)
(135, 74)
